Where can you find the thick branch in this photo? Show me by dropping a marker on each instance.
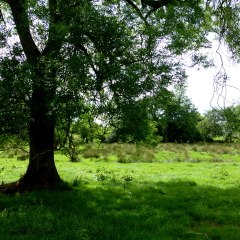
(136, 9)
(155, 5)
(18, 8)
(84, 50)
(55, 38)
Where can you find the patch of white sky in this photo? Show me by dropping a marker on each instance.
(201, 87)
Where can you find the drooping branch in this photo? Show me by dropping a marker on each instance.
(20, 16)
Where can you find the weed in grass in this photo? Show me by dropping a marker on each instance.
(224, 173)
(221, 174)
(186, 155)
(100, 176)
(170, 152)
(194, 160)
(217, 148)
(127, 178)
(114, 179)
(21, 154)
(135, 153)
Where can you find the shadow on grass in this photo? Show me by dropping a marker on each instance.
(147, 211)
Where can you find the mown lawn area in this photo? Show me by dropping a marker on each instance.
(191, 193)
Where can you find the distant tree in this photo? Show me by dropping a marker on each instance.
(134, 123)
(221, 123)
(211, 126)
(177, 119)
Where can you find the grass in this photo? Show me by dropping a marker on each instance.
(170, 197)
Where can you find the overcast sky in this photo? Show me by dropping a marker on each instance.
(201, 82)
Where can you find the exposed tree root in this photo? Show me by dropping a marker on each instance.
(21, 187)
(10, 188)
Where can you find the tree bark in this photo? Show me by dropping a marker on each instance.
(41, 171)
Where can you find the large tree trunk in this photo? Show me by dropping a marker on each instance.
(41, 172)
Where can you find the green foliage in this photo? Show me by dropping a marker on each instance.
(221, 123)
(211, 125)
(134, 124)
(14, 89)
(87, 129)
(232, 127)
(166, 116)
(227, 23)
(177, 118)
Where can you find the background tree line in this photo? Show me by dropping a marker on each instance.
(170, 117)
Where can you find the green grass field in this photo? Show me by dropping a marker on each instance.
(172, 191)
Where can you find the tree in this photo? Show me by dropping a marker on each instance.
(211, 126)
(177, 118)
(134, 123)
(98, 52)
(221, 123)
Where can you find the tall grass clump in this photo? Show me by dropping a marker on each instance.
(98, 151)
(91, 153)
(135, 153)
(174, 147)
(218, 148)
